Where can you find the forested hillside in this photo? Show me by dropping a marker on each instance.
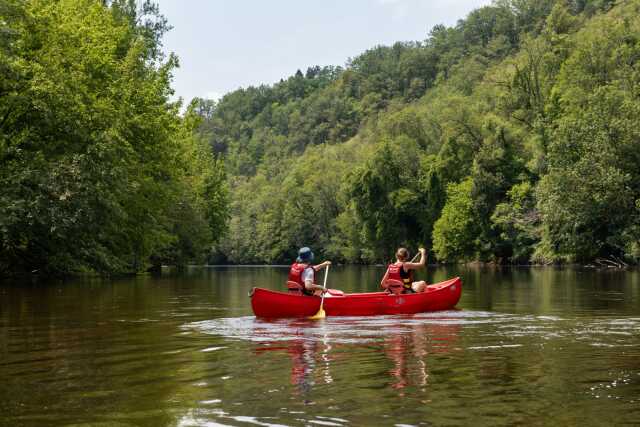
(510, 137)
(98, 170)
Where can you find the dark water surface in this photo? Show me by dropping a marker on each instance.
(536, 346)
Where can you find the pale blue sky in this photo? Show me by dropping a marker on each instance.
(227, 44)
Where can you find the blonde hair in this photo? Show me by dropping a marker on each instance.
(402, 254)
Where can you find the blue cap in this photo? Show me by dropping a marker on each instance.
(304, 255)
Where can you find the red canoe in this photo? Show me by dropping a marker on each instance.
(439, 296)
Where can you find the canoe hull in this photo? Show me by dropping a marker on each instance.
(439, 296)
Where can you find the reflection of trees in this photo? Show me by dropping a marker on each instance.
(110, 346)
(95, 350)
(548, 290)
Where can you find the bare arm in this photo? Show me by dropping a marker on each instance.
(321, 266)
(308, 282)
(417, 265)
(312, 287)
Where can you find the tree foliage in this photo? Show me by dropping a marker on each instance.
(509, 137)
(96, 167)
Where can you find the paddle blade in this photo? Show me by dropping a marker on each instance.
(319, 315)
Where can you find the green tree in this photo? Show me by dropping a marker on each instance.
(91, 151)
(385, 195)
(587, 199)
(517, 221)
(455, 233)
(510, 136)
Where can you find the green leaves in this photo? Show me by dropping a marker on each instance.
(386, 196)
(587, 197)
(455, 233)
(93, 159)
(509, 137)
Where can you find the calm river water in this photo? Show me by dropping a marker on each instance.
(529, 347)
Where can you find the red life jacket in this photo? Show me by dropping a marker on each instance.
(295, 282)
(399, 281)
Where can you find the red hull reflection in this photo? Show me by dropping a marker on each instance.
(407, 342)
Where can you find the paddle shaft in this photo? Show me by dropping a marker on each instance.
(415, 256)
(326, 273)
(321, 314)
(324, 285)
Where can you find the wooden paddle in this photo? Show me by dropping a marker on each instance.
(321, 314)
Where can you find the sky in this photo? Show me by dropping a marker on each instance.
(223, 45)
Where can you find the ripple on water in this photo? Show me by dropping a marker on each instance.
(482, 340)
(481, 329)
(343, 330)
(204, 416)
(615, 389)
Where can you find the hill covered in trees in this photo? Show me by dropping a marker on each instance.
(510, 137)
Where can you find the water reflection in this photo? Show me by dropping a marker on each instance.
(186, 350)
(305, 355)
(312, 347)
(409, 351)
(318, 352)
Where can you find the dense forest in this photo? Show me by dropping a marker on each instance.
(510, 137)
(99, 172)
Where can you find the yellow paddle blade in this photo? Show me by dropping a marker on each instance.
(319, 315)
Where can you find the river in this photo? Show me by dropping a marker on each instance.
(527, 346)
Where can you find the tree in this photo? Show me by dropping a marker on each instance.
(91, 150)
(385, 195)
(587, 199)
(518, 222)
(455, 233)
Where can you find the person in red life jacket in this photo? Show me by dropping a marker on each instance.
(399, 276)
(302, 275)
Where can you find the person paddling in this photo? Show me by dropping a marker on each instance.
(398, 278)
(302, 275)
